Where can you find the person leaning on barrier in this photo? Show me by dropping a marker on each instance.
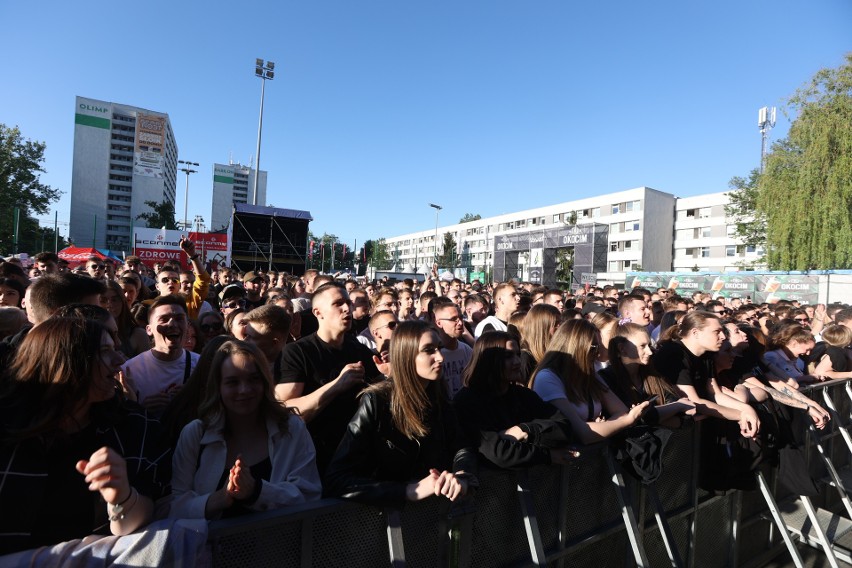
(515, 428)
(246, 452)
(687, 363)
(565, 378)
(404, 442)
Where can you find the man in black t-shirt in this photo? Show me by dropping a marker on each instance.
(321, 374)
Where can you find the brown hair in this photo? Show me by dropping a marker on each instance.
(537, 329)
(571, 357)
(653, 383)
(837, 335)
(210, 407)
(486, 370)
(785, 333)
(409, 400)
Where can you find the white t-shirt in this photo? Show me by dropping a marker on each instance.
(152, 376)
(549, 387)
(455, 361)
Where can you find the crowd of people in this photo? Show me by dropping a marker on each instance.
(132, 392)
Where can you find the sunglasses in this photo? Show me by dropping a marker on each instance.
(96, 266)
(391, 325)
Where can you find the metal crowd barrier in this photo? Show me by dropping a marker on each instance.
(588, 513)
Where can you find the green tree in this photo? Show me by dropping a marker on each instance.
(161, 215)
(378, 254)
(565, 265)
(805, 191)
(468, 217)
(447, 259)
(20, 186)
(742, 208)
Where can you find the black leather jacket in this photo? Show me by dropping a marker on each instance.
(374, 462)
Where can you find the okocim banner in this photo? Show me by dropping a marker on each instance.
(159, 245)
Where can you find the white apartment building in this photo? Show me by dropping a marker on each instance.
(123, 157)
(636, 225)
(234, 183)
(641, 229)
(704, 237)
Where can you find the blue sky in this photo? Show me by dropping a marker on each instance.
(382, 106)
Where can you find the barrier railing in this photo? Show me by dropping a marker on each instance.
(586, 513)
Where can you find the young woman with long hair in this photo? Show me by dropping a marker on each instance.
(789, 346)
(607, 324)
(565, 378)
(89, 462)
(246, 451)
(540, 324)
(632, 377)
(404, 442)
(515, 428)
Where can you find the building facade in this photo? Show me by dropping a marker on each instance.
(234, 183)
(634, 230)
(123, 157)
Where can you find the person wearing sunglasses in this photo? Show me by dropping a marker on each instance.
(457, 354)
(95, 267)
(380, 330)
(168, 280)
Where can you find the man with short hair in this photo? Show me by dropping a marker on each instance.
(95, 267)
(321, 374)
(253, 284)
(361, 307)
(456, 354)
(47, 263)
(231, 298)
(157, 374)
(506, 299)
(168, 280)
(386, 300)
(634, 308)
(454, 296)
(268, 327)
(134, 264)
(377, 336)
(554, 298)
(475, 310)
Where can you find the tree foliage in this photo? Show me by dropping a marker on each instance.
(447, 258)
(20, 167)
(468, 217)
(565, 265)
(161, 215)
(805, 191)
(742, 209)
(377, 254)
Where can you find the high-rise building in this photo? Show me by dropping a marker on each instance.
(123, 157)
(234, 183)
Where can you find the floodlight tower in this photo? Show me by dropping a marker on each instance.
(264, 71)
(765, 121)
(437, 209)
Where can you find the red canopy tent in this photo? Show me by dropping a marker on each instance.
(79, 254)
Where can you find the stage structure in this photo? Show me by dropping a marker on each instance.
(532, 255)
(269, 238)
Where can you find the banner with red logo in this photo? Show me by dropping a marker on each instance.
(158, 245)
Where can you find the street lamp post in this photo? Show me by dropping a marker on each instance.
(187, 170)
(437, 210)
(264, 71)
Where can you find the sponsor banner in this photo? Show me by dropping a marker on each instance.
(223, 174)
(150, 145)
(93, 113)
(685, 285)
(649, 280)
(157, 245)
(773, 287)
(589, 278)
(731, 286)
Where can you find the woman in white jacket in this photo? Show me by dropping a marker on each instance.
(246, 452)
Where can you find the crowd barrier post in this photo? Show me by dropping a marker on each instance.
(539, 558)
(627, 513)
(776, 517)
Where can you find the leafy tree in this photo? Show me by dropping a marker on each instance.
(805, 191)
(20, 166)
(447, 259)
(565, 264)
(742, 209)
(378, 255)
(161, 215)
(468, 217)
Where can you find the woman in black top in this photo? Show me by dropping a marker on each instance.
(515, 428)
(404, 442)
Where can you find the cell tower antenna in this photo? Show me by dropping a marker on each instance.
(766, 122)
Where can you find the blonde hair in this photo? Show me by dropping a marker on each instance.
(536, 333)
(837, 335)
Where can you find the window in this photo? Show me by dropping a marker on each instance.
(613, 247)
(596, 212)
(730, 250)
(706, 232)
(704, 213)
(690, 212)
(631, 226)
(613, 266)
(705, 252)
(690, 252)
(632, 206)
(750, 248)
(614, 228)
(731, 230)
(616, 209)
(557, 218)
(628, 245)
